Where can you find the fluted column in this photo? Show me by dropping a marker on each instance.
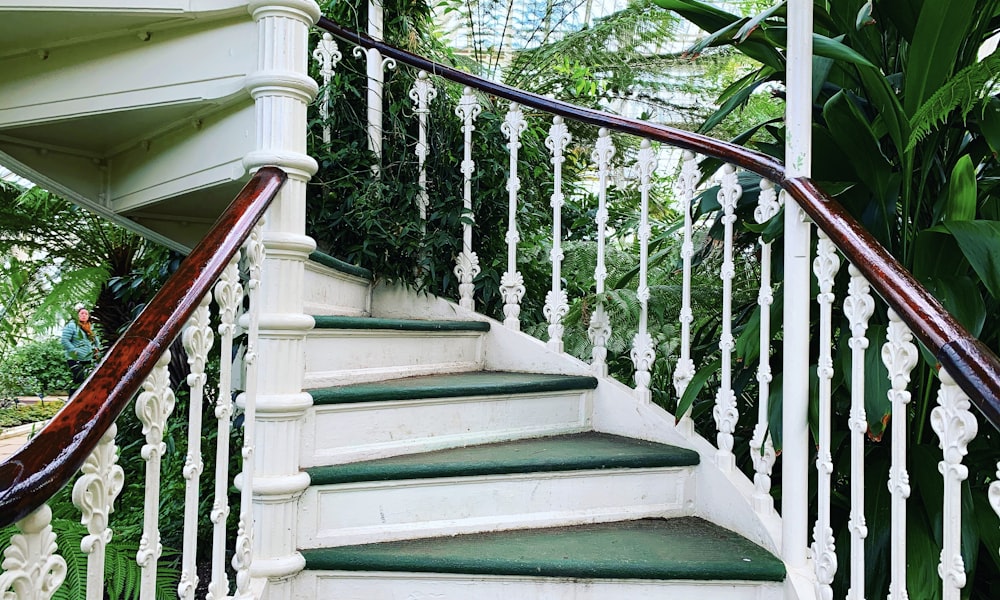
(282, 89)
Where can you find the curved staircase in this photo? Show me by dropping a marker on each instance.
(456, 453)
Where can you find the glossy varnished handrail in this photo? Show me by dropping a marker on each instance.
(973, 366)
(35, 472)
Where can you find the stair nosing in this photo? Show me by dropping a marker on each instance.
(338, 265)
(380, 323)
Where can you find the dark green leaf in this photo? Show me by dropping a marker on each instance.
(694, 388)
(941, 29)
(980, 243)
(961, 205)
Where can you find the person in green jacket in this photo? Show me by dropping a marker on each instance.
(81, 345)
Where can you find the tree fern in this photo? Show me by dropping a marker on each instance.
(962, 92)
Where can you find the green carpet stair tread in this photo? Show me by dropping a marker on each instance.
(452, 385)
(572, 452)
(338, 265)
(657, 549)
(341, 322)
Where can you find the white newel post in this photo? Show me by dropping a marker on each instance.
(282, 90)
(956, 426)
(795, 367)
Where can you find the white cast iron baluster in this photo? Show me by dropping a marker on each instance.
(327, 55)
(467, 266)
(643, 352)
(94, 493)
(599, 330)
(955, 426)
(825, 266)
(858, 307)
(899, 355)
(197, 340)
(684, 371)
(228, 295)
(153, 406)
(725, 399)
(761, 447)
(422, 93)
(993, 495)
(512, 282)
(556, 300)
(242, 556)
(31, 568)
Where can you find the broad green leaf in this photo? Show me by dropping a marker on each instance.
(856, 140)
(755, 21)
(961, 297)
(941, 29)
(884, 100)
(936, 254)
(705, 16)
(989, 124)
(823, 46)
(961, 204)
(695, 386)
(877, 407)
(903, 14)
(980, 243)
(735, 101)
(989, 527)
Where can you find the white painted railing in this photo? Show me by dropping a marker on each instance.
(952, 419)
(34, 566)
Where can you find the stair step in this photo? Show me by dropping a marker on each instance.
(351, 349)
(541, 482)
(373, 323)
(333, 287)
(431, 412)
(574, 452)
(681, 548)
(338, 265)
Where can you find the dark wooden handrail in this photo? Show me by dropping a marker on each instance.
(971, 364)
(34, 473)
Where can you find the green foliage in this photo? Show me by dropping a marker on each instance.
(44, 364)
(28, 413)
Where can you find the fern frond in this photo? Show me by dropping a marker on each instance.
(963, 92)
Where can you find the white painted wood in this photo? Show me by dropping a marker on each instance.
(899, 354)
(351, 513)
(512, 282)
(643, 352)
(556, 300)
(228, 293)
(422, 93)
(31, 569)
(956, 426)
(375, 67)
(467, 263)
(858, 307)
(725, 412)
(197, 339)
(825, 265)
(153, 406)
(339, 433)
(599, 330)
(332, 292)
(94, 493)
(327, 54)
(684, 369)
(761, 446)
(337, 357)
(380, 585)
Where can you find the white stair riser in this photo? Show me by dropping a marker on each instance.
(330, 292)
(339, 433)
(337, 357)
(346, 585)
(356, 513)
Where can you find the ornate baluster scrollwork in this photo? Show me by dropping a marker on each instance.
(684, 370)
(993, 495)
(643, 349)
(228, 296)
(153, 406)
(825, 266)
(31, 568)
(899, 354)
(94, 493)
(858, 307)
(556, 300)
(327, 54)
(599, 330)
(512, 283)
(956, 426)
(467, 263)
(761, 446)
(725, 412)
(422, 93)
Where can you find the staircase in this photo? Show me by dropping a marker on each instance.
(446, 452)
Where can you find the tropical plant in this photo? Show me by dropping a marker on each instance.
(905, 134)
